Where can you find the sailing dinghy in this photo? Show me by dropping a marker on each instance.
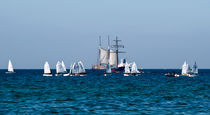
(133, 71)
(47, 71)
(194, 72)
(127, 69)
(78, 69)
(59, 69)
(10, 68)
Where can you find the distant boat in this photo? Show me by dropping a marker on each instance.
(10, 68)
(77, 69)
(185, 69)
(109, 56)
(173, 74)
(47, 71)
(108, 70)
(134, 70)
(127, 69)
(64, 67)
(59, 69)
(194, 71)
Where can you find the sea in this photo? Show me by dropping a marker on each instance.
(151, 93)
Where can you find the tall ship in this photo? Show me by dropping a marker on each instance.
(110, 56)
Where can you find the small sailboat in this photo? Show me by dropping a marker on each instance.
(134, 70)
(59, 69)
(82, 71)
(108, 71)
(194, 71)
(70, 72)
(185, 69)
(10, 68)
(47, 71)
(78, 69)
(127, 69)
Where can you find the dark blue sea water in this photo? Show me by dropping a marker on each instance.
(28, 92)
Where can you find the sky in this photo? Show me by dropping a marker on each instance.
(156, 33)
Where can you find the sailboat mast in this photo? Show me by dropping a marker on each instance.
(117, 46)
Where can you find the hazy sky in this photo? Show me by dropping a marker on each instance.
(156, 33)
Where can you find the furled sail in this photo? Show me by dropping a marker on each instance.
(127, 68)
(195, 69)
(10, 67)
(81, 67)
(59, 67)
(104, 56)
(113, 58)
(185, 68)
(47, 68)
(64, 67)
(134, 68)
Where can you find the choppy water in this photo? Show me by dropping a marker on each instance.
(28, 91)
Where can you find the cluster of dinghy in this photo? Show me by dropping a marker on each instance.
(76, 69)
(131, 69)
(186, 71)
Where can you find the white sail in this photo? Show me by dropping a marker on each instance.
(71, 67)
(185, 68)
(134, 68)
(127, 68)
(47, 68)
(108, 69)
(75, 68)
(81, 67)
(59, 67)
(64, 67)
(113, 58)
(195, 69)
(10, 67)
(104, 56)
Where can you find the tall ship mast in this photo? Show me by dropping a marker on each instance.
(109, 56)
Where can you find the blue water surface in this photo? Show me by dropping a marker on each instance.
(28, 92)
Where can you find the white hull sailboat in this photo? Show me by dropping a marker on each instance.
(47, 71)
(127, 69)
(133, 71)
(185, 69)
(194, 72)
(10, 68)
(59, 69)
(77, 69)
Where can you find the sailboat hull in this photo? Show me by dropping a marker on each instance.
(47, 75)
(132, 74)
(9, 72)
